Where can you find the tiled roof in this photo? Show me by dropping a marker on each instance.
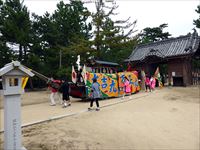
(182, 45)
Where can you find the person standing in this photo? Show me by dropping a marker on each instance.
(143, 78)
(52, 96)
(127, 86)
(152, 83)
(80, 78)
(147, 84)
(65, 93)
(53, 93)
(95, 95)
(54, 86)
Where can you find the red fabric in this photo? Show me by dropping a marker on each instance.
(57, 81)
(136, 73)
(127, 86)
(53, 90)
(147, 81)
(129, 67)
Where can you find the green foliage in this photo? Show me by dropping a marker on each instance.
(197, 21)
(196, 63)
(41, 39)
(111, 42)
(5, 54)
(153, 34)
(73, 26)
(64, 72)
(163, 68)
(15, 25)
(66, 31)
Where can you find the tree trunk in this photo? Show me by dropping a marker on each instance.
(20, 52)
(25, 54)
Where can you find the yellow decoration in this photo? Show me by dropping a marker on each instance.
(24, 82)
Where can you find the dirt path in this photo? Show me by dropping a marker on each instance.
(165, 119)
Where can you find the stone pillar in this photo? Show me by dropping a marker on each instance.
(12, 75)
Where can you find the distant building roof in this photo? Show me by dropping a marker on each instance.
(183, 45)
(106, 63)
(94, 62)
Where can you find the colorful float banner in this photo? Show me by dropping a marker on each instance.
(132, 79)
(108, 84)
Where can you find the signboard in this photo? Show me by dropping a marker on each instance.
(108, 84)
(132, 79)
(111, 85)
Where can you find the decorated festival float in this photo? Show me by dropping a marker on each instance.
(108, 74)
(110, 79)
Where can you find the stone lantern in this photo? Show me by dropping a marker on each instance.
(12, 74)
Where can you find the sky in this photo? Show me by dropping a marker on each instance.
(178, 14)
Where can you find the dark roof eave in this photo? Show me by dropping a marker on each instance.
(179, 56)
(176, 50)
(167, 58)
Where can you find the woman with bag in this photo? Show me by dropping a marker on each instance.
(95, 95)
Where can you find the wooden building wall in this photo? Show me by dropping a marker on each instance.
(179, 70)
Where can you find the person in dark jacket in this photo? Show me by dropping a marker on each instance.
(65, 91)
(79, 76)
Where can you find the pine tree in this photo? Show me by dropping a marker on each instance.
(5, 52)
(15, 26)
(197, 21)
(64, 32)
(153, 34)
(110, 38)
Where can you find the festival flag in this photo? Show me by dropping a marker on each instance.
(84, 74)
(74, 75)
(158, 77)
(24, 82)
(78, 62)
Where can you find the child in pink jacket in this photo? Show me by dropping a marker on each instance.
(147, 84)
(127, 86)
